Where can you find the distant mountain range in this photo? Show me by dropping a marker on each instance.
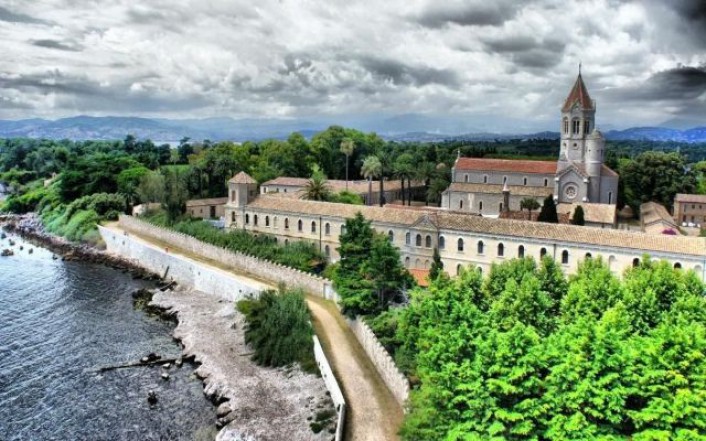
(397, 128)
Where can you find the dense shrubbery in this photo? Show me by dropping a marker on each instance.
(279, 329)
(77, 221)
(528, 355)
(300, 255)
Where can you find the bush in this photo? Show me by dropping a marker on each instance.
(279, 329)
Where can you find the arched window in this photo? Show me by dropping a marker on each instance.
(524, 181)
(327, 251)
(500, 207)
(501, 250)
(407, 238)
(418, 240)
(286, 242)
(442, 242)
(465, 178)
(565, 257)
(611, 263)
(391, 236)
(546, 182)
(636, 262)
(610, 197)
(426, 264)
(406, 262)
(343, 229)
(247, 219)
(274, 222)
(480, 247)
(300, 225)
(542, 252)
(427, 241)
(254, 220)
(479, 269)
(286, 223)
(327, 229)
(576, 124)
(313, 226)
(677, 265)
(480, 206)
(566, 125)
(521, 251)
(504, 179)
(459, 269)
(586, 126)
(267, 221)
(485, 179)
(460, 204)
(459, 246)
(275, 239)
(417, 263)
(232, 216)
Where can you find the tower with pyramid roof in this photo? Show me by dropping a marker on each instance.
(578, 120)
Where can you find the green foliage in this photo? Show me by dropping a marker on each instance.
(297, 254)
(279, 329)
(346, 197)
(369, 275)
(527, 355)
(578, 217)
(316, 188)
(529, 204)
(548, 213)
(437, 266)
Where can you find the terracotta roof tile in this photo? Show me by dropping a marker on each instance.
(691, 198)
(579, 94)
(506, 165)
(242, 178)
(420, 275)
(597, 213)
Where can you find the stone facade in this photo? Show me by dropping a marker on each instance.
(206, 208)
(690, 210)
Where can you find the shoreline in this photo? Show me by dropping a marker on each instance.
(237, 417)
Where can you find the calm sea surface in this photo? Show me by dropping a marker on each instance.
(59, 321)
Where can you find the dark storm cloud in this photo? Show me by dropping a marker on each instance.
(683, 83)
(401, 74)
(14, 17)
(477, 13)
(58, 45)
(526, 51)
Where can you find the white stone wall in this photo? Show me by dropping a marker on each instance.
(498, 178)
(394, 379)
(332, 386)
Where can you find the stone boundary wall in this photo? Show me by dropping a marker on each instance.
(332, 386)
(383, 362)
(273, 272)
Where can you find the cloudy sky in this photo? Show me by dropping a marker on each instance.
(498, 64)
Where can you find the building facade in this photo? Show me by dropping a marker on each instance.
(578, 177)
(690, 210)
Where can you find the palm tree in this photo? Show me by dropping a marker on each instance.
(372, 168)
(347, 148)
(425, 172)
(316, 188)
(529, 204)
(403, 169)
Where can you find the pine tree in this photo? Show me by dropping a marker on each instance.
(548, 213)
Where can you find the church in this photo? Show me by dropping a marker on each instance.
(489, 187)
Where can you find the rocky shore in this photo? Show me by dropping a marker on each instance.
(30, 228)
(254, 402)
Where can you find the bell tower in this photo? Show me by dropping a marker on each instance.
(578, 117)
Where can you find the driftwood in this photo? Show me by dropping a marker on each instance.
(138, 364)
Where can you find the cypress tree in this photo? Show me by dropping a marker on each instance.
(437, 266)
(578, 218)
(548, 213)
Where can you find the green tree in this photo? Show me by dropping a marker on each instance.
(403, 169)
(316, 188)
(175, 194)
(151, 187)
(578, 217)
(437, 266)
(372, 168)
(529, 204)
(128, 181)
(548, 213)
(347, 148)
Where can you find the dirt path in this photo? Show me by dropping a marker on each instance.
(373, 413)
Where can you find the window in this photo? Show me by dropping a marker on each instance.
(677, 265)
(480, 206)
(232, 216)
(576, 124)
(406, 262)
(427, 241)
(521, 251)
(524, 181)
(254, 220)
(327, 251)
(343, 229)
(418, 240)
(247, 219)
(501, 250)
(566, 125)
(465, 178)
(300, 225)
(504, 179)
(586, 127)
(588, 256)
(313, 226)
(267, 221)
(500, 207)
(459, 269)
(391, 236)
(232, 195)
(460, 205)
(459, 246)
(426, 264)
(480, 247)
(286, 242)
(485, 179)
(542, 252)
(407, 238)
(565, 257)
(442, 242)
(636, 262)
(610, 197)
(327, 229)
(286, 223)
(546, 182)
(274, 222)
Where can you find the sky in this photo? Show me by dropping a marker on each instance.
(495, 65)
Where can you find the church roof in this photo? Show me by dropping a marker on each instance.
(579, 94)
(242, 178)
(506, 165)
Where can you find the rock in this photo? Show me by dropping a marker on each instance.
(22, 247)
(153, 357)
(152, 397)
(178, 362)
(144, 359)
(165, 376)
(7, 252)
(223, 410)
(31, 250)
(166, 365)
